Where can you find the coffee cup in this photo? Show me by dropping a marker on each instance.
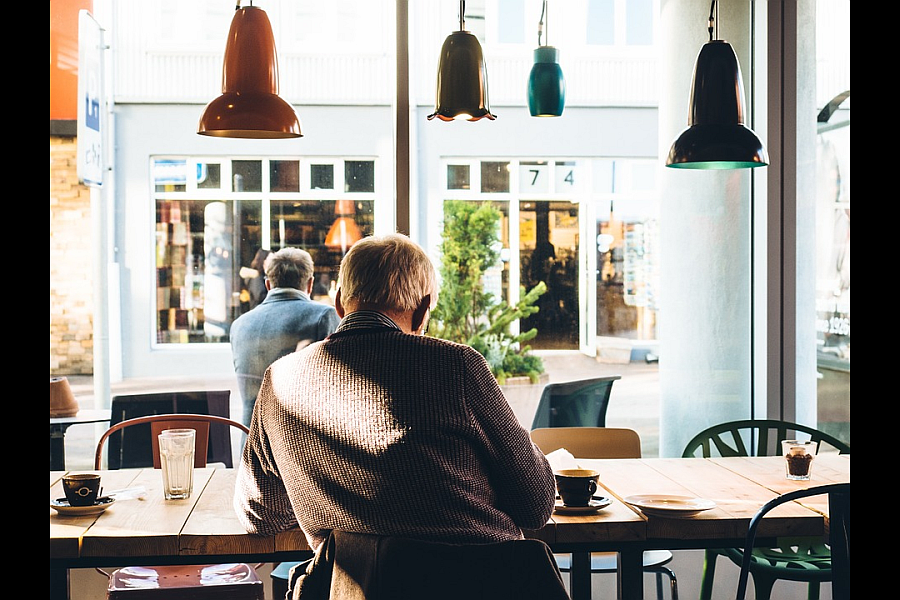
(576, 486)
(81, 489)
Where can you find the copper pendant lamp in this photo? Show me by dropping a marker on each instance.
(462, 90)
(716, 137)
(250, 106)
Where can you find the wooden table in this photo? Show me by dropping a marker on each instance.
(205, 529)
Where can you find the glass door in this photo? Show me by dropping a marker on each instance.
(549, 253)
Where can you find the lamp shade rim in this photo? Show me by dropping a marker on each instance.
(712, 146)
(250, 115)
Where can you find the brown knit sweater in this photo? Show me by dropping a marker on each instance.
(377, 431)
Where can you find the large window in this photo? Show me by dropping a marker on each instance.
(217, 219)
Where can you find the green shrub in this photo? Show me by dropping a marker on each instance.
(465, 313)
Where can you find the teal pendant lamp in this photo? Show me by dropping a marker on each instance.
(546, 84)
(250, 106)
(462, 90)
(716, 137)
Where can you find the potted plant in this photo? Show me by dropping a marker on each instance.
(466, 313)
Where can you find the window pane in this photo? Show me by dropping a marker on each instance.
(494, 177)
(321, 177)
(511, 26)
(458, 177)
(198, 258)
(247, 176)
(639, 22)
(601, 23)
(169, 175)
(284, 176)
(359, 176)
(209, 176)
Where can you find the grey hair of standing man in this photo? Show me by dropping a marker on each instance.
(289, 268)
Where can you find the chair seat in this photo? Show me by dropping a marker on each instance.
(231, 581)
(607, 562)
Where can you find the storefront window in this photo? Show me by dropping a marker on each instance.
(211, 239)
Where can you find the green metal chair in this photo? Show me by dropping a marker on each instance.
(806, 560)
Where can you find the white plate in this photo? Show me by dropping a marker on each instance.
(597, 503)
(669, 506)
(62, 507)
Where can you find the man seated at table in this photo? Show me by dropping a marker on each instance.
(380, 429)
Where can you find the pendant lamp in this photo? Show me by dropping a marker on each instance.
(546, 84)
(462, 90)
(249, 106)
(344, 232)
(716, 137)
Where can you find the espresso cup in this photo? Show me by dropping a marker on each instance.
(81, 489)
(576, 486)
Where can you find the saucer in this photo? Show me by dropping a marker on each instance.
(596, 504)
(62, 506)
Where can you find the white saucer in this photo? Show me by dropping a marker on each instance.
(597, 503)
(669, 506)
(63, 507)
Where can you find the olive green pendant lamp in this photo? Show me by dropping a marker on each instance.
(462, 89)
(716, 137)
(546, 84)
(249, 106)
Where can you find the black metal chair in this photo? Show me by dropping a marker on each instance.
(809, 562)
(838, 537)
(581, 403)
(133, 449)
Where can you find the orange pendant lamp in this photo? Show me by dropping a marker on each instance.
(250, 106)
(344, 231)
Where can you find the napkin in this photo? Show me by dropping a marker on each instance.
(561, 459)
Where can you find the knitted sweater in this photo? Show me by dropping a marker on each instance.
(377, 431)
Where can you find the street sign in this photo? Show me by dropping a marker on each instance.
(90, 100)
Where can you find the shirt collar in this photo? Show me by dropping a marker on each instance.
(287, 293)
(366, 319)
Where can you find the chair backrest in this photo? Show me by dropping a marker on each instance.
(589, 442)
(580, 403)
(133, 450)
(372, 566)
(838, 535)
(157, 423)
(756, 438)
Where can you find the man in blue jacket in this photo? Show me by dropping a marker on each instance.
(287, 320)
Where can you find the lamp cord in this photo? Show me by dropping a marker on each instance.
(541, 23)
(713, 20)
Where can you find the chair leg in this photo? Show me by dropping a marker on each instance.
(673, 582)
(709, 572)
(813, 592)
(763, 586)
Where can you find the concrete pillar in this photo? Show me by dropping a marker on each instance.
(704, 328)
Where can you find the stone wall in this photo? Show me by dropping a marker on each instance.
(71, 307)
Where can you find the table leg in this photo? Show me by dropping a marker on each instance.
(580, 576)
(59, 583)
(57, 448)
(630, 574)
